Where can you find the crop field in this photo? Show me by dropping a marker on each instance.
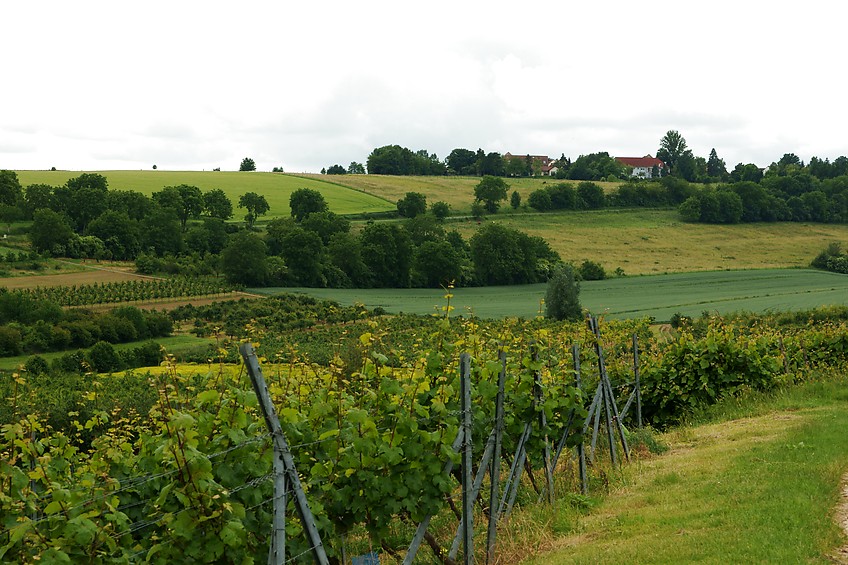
(659, 296)
(69, 279)
(276, 188)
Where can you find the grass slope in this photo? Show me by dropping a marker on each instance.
(276, 188)
(760, 488)
(659, 296)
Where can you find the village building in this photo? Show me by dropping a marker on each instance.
(642, 167)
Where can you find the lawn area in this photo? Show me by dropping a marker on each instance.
(276, 188)
(659, 296)
(761, 487)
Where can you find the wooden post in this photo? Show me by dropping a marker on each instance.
(495, 470)
(636, 375)
(467, 484)
(581, 450)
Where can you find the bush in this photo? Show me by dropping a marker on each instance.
(562, 299)
(36, 365)
(591, 271)
(103, 358)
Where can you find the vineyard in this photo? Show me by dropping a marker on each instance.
(190, 475)
(126, 291)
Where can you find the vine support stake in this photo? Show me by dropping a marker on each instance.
(495, 470)
(636, 378)
(581, 450)
(282, 452)
(467, 481)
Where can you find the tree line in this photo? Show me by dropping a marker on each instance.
(679, 160)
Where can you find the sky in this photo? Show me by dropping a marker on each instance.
(194, 85)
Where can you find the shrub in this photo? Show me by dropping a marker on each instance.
(562, 298)
(103, 358)
(591, 271)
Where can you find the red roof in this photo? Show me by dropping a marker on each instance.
(646, 161)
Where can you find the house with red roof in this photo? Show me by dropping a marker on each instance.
(542, 163)
(641, 167)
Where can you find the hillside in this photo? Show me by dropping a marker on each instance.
(276, 188)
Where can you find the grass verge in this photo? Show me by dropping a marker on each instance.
(757, 483)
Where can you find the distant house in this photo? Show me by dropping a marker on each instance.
(641, 167)
(544, 164)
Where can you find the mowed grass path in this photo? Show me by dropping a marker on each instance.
(762, 488)
(275, 187)
(659, 296)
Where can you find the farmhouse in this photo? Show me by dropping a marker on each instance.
(544, 164)
(642, 167)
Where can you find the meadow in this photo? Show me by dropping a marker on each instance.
(275, 187)
(658, 296)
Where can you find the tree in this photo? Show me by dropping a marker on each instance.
(742, 172)
(490, 191)
(120, 234)
(562, 297)
(490, 164)
(440, 210)
(217, 204)
(591, 195)
(502, 256)
(390, 160)
(515, 200)
(305, 201)
(411, 205)
(387, 252)
(37, 196)
(256, 206)
(247, 164)
(185, 200)
(161, 231)
(303, 251)
(336, 170)
(10, 188)
(715, 166)
(672, 146)
(462, 162)
(244, 260)
(50, 232)
(355, 168)
(135, 204)
(325, 224)
(436, 264)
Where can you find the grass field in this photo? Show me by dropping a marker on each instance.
(659, 296)
(758, 485)
(456, 191)
(276, 188)
(649, 241)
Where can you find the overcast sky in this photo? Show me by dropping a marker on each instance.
(191, 85)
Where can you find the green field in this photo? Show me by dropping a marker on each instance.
(276, 188)
(659, 296)
(174, 345)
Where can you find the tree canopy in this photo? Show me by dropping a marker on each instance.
(247, 164)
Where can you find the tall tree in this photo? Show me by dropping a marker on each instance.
(247, 164)
(255, 204)
(305, 201)
(715, 166)
(10, 188)
(490, 191)
(355, 168)
(217, 204)
(185, 200)
(562, 298)
(672, 147)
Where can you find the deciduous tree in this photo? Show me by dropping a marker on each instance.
(256, 206)
(491, 190)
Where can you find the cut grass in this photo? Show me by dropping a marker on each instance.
(276, 188)
(760, 488)
(658, 296)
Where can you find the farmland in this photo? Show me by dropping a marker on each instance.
(658, 296)
(276, 188)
